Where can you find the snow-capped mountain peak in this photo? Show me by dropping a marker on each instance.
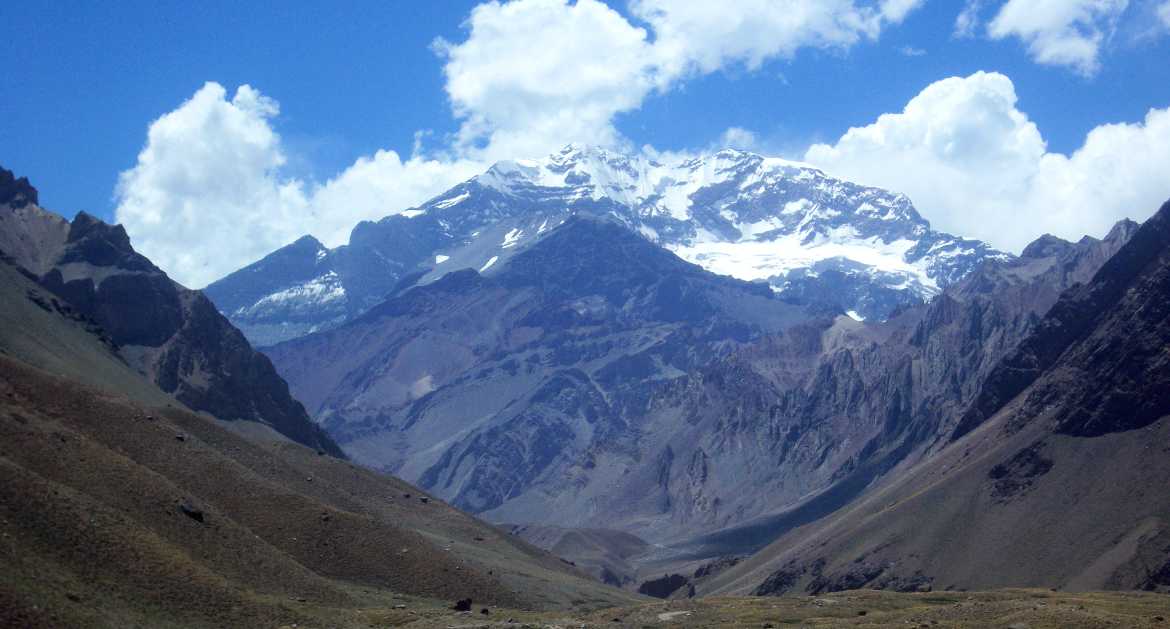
(808, 235)
(753, 217)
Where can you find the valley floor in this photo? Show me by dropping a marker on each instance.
(1013, 609)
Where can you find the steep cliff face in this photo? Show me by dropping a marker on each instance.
(173, 335)
(28, 233)
(1054, 479)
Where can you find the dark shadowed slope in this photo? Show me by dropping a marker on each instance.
(1062, 485)
(173, 336)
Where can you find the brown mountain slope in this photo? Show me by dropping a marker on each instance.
(143, 514)
(1064, 485)
(94, 496)
(121, 507)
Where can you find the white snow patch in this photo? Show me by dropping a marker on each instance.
(751, 231)
(852, 314)
(954, 253)
(422, 386)
(413, 213)
(796, 207)
(512, 238)
(446, 203)
(756, 260)
(489, 264)
(439, 259)
(319, 290)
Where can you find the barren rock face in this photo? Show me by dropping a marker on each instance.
(16, 193)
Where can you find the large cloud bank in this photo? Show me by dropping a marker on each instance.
(210, 191)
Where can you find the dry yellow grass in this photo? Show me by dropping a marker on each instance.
(1014, 609)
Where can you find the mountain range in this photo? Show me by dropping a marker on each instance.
(599, 374)
(706, 354)
(810, 237)
(713, 375)
(1054, 476)
(155, 472)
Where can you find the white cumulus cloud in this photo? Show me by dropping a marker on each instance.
(975, 165)
(533, 75)
(697, 36)
(1060, 32)
(738, 138)
(207, 194)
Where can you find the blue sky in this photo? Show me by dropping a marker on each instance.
(84, 81)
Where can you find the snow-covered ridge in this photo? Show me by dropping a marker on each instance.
(808, 235)
(732, 212)
(649, 185)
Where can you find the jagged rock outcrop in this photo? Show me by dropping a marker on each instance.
(16, 193)
(174, 336)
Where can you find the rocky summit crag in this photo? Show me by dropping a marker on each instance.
(812, 238)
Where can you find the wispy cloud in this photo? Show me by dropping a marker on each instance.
(1067, 33)
(967, 21)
